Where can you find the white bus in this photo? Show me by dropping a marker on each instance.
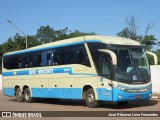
(90, 68)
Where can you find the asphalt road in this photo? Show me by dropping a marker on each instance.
(10, 104)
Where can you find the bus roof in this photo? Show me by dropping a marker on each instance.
(82, 39)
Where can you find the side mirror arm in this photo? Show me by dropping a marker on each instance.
(112, 54)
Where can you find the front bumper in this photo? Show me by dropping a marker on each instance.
(120, 95)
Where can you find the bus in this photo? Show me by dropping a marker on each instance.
(91, 68)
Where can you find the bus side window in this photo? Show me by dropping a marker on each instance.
(80, 55)
(67, 55)
(71, 56)
(74, 55)
(39, 56)
(46, 58)
(55, 57)
(49, 59)
(104, 66)
(26, 62)
(36, 59)
(23, 62)
(20, 63)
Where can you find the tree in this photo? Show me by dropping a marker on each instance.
(19, 42)
(77, 33)
(130, 31)
(61, 34)
(45, 34)
(7, 46)
(32, 41)
(148, 41)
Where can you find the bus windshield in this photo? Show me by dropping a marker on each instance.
(132, 65)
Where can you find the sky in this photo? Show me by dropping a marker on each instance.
(104, 17)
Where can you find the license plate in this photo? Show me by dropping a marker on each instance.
(137, 96)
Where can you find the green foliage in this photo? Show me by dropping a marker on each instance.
(32, 41)
(128, 34)
(77, 33)
(148, 41)
(45, 34)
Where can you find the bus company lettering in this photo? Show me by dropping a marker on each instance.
(46, 71)
(32, 72)
(67, 70)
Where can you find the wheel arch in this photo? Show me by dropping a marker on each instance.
(26, 86)
(85, 88)
(15, 88)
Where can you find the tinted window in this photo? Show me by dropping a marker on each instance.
(75, 54)
(26, 60)
(104, 65)
(71, 55)
(11, 62)
(101, 60)
(47, 59)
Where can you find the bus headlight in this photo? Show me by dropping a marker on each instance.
(120, 96)
(121, 88)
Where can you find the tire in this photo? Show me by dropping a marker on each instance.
(27, 96)
(90, 99)
(124, 103)
(19, 95)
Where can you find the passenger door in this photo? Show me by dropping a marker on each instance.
(105, 81)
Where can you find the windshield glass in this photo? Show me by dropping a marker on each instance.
(132, 66)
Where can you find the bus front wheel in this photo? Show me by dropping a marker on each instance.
(19, 95)
(27, 95)
(90, 99)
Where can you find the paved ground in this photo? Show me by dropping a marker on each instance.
(10, 104)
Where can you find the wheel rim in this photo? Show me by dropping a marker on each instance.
(90, 98)
(27, 96)
(19, 94)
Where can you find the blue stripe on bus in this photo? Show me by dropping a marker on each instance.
(8, 74)
(50, 47)
(76, 93)
(25, 72)
(8, 91)
(65, 93)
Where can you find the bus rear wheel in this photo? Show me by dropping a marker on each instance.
(90, 99)
(27, 95)
(19, 95)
